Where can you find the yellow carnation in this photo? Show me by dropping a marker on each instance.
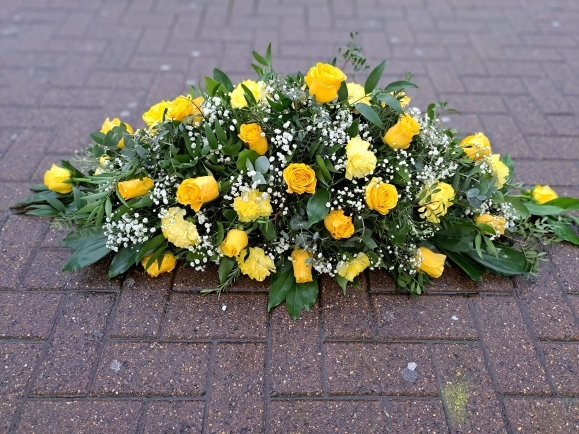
(500, 169)
(476, 147)
(357, 94)
(257, 265)
(167, 264)
(109, 125)
(439, 196)
(238, 95)
(58, 179)
(251, 205)
(177, 230)
(543, 194)
(497, 222)
(350, 269)
(380, 196)
(431, 263)
(324, 81)
(400, 135)
(360, 160)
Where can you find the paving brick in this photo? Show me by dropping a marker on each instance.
(453, 281)
(547, 415)
(547, 172)
(193, 316)
(237, 389)
(12, 166)
(444, 77)
(189, 280)
(546, 146)
(27, 315)
(175, 417)
(475, 103)
(467, 389)
(327, 417)
(489, 85)
(346, 316)
(511, 352)
(527, 115)
(72, 357)
(294, 371)
(17, 363)
(53, 237)
(16, 249)
(376, 369)
(75, 97)
(550, 315)
(45, 273)
(426, 317)
(417, 416)
(87, 417)
(565, 257)
(505, 136)
(381, 281)
(152, 369)
(141, 305)
(563, 364)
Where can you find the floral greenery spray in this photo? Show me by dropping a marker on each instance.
(290, 177)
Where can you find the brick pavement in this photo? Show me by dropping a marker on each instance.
(84, 355)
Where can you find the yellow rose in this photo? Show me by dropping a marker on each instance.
(400, 135)
(300, 178)
(180, 108)
(500, 170)
(257, 265)
(109, 125)
(349, 270)
(542, 193)
(324, 81)
(380, 196)
(252, 135)
(58, 179)
(476, 147)
(357, 94)
(238, 95)
(431, 263)
(135, 187)
(339, 225)
(360, 160)
(251, 205)
(234, 243)
(177, 230)
(302, 269)
(438, 203)
(197, 109)
(167, 264)
(197, 191)
(154, 115)
(497, 222)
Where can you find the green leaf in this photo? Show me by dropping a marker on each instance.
(268, 54)
(369, 241)
(268, 231)
(517, 204)
(229, 214)
(221, 135)
(343, 92)
(323, 169)
(507, 262)
(151, 245)
(220, 233)
(392, 101)
(262, 164)
(90, 252)
(260, 58)
(281, 284)
(472, 269)
(210, 135)
(477, 244)
(221, 77)
(543, 210)
(212, 86)
(80, 236)
(374, 78)
(55, 203)
(369, 113)
(399, 85)
(317, 207)
(508, 161)
(301, 295)
(342, 282)
(568, 203)
(225, 267)
(353, 130)
(42, 211)
(249, 97)
(124, 259)
(244, 156)
(565, 232)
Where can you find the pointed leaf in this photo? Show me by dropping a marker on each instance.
(374, 78)
(317, 207)
(369, 113)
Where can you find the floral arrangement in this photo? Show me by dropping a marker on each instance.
(293, 177)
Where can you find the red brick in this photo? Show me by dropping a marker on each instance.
(417, 416)
(543, 415)
(27, 315)
(376, 369)
(175, 417)
(152, 369)
(189, 280)
(237, 389)
(563, 363)
(565, 256)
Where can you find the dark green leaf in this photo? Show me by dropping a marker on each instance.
(392, 101)
(317, 207)
(342, 283)
(78, 237)
(472, 269)
(221, 77)
(210, 135)
(259, 58)
(369, 113)
(343, 92)
(225, 267)
(323, 169)
(281, 284)
(543, 210)
(152, 245)
(249, 96)
(212, 86)
(565, 232)
(89, 253)
(124, 259)
(374, 78)
(517, 204)
(221, 135)
(245, 156)
(399, 85)
(507, 262)
(568, 203)
(353, 130)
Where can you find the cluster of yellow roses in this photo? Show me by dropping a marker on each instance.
(179, 109)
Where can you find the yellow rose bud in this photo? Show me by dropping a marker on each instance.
(436, 201)
(177, 230)
(300, 178)
(234, 243)
(109, 125)
(349, 270)
(197, 191)
(324, 81)
(167, 264)
(252, 135)
(360, 160)
(476, 147)
(543, 194)
(500, 170)
(154, 115)
(497, 222)
(431, 263)
(339, 225)
(357, 94)
(135, 187)
(180, 108)
(380, 196)
(400, 135)
(302, 269)
(238, 95)
(58, 179)
(251, 205)
(257, 265)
